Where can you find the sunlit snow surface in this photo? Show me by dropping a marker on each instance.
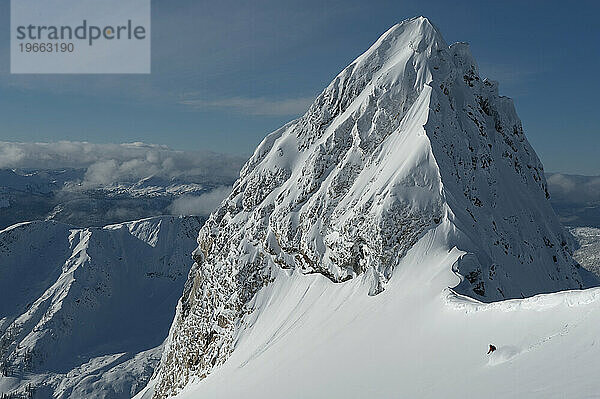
(311, 338)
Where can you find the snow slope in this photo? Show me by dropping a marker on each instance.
(83, 312)
(311, 338)
(406, 144)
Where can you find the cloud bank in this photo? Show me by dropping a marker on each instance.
(201, 205)
(113, 163)
(574, 188)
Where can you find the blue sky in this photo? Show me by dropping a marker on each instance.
(224, 74)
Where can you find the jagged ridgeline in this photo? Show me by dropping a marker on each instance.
(406, 139)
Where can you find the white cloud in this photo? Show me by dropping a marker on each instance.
(113, 163)
(201, 205)
(255, 106)
(560, 183)
(574, 188)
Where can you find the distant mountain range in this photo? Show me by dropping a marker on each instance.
(63, 195)
(84, 311)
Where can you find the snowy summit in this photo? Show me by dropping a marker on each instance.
(360, 232)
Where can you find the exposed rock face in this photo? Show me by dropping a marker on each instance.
(405, 138)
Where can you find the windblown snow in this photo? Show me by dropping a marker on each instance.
(84, 312)
(344, 260)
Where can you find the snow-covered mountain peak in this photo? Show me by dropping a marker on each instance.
(407, 150)
(418, 35)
